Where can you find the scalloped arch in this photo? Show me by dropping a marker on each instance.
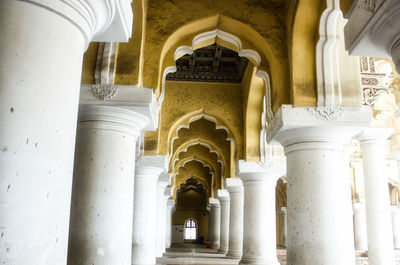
(227, 40)
(198, 141)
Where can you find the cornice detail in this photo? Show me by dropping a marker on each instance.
(104, 91)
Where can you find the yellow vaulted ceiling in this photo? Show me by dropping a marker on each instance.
(211, 122)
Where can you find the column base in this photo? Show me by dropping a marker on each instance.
(222, 251)
(245, 261)
(215, 245)
(234, 255)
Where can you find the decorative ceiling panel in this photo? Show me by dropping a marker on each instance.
(213, 63)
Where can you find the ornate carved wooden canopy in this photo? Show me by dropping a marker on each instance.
(213, 63)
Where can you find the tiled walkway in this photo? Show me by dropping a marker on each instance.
(200, 255)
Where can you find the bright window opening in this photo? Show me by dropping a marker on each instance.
(190, 229)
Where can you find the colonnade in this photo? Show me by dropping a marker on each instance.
(117, 212)
(322, 225)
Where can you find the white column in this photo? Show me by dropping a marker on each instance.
(284, 226)
(319, 210)
(396, 226)
(374, 147)
(259, 221)
(144, 217)
(162, 183)
(223, 197)
(168, 226)
(215, 221)
(102, 194)
(41, 51)
(167, 195)
(360, 227)
(235, 189)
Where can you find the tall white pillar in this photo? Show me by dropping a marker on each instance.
(284, 226)
(162, 183)
(223, 197)
(168, 226)
(319, 210)
(167, 195)
(235, 189)
(259, 221)
(147, 173)
(374, 147)
(396, 226)
(100, 232)
(41, 50)
(215, 223)
(360, 227)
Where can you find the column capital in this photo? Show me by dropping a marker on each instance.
(234, 185)
(370, 31)
(223, 196)
(100, 20)
(374, 134)
(283, 210)
(214, 203)
(164, 180)
(145, 171)
(314, 128)
(357, 207)
(270, 170)
(158, 161)
(168, 192)
(170, 204)
(136, 98)
(111, 118)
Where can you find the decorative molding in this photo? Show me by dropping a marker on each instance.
(371, 94)
(265, 165)
(327, 56)
(369, 81)
(328, 114)
(104, 91)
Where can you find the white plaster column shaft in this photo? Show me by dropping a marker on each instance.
(259, 221)
(319, 210)
(102, 193)
(236, 194)
(162, 183)
(168, 226)
(396, 226)
(37, 131)
(374, 147)
(144, 217)
(284, 226)
(360, 227)
(41, 49)
(224, 200)
(215, 223)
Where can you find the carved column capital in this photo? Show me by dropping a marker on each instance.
(98, 20)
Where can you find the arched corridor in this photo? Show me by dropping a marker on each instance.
(144, 132)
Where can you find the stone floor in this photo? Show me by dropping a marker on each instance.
(200, 255)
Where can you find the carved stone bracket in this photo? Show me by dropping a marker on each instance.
(328, 114)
